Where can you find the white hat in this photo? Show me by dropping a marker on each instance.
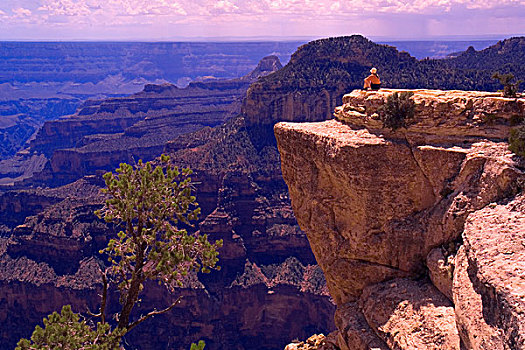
(373, 70)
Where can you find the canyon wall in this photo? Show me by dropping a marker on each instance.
(420, 231)
(269, 289)
(103, 133)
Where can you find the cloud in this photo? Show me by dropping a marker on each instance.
(325, 7)
(108, 8)
(225, 6)
(22, 12)
(262, 17)
(199, 9)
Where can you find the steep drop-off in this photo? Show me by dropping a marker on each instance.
(419, 231)
(268, 291)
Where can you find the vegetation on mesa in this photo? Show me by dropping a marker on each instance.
(398, 110)
(339, 64)
(510, 88)
(147, 203)
(517, 134)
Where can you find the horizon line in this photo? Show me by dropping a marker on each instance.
(232, 39)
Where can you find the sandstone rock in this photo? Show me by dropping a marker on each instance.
(330, 342)
(315, 342)
(474, 330)
(444, 113)
(490, 285)
(332, 201)
(373, 207)
(354, 333)
(411, 315)
(441, 270)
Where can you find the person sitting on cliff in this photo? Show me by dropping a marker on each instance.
(372, 82)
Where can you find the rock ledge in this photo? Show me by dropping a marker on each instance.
(379, 206)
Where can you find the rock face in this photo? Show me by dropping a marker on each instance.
(493, 260)
(439, 113)
(382, 209)
(410, 315)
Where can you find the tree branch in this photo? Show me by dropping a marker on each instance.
(153, 313)
(102, 313)
(104, 297)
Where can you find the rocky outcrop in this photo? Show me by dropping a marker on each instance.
(382, 209)
(410, 315)
(354, 332)
(489, 282)
(315, 342)
(445, 114)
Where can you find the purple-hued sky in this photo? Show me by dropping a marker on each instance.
(191, 19)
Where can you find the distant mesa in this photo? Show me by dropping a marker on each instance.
(156, 88)
(267, 65)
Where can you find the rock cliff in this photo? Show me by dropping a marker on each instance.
(420, 231)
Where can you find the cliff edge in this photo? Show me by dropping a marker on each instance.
(419, 231)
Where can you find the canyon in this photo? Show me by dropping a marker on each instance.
(270, 289)
(51, 237)
(41, 81)
(420, 231)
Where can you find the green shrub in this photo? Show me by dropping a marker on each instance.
(509, 89)
(516, 119)
(398, 110)
(517, 140)
(70, 331)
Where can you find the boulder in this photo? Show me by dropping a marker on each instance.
(489, 283)
(411, 315)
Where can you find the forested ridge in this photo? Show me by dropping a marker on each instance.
(329, 63)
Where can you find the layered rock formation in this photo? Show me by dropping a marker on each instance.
(42, 81)
(104, 133)
(386, 212)
(269, 289)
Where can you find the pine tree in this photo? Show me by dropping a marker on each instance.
(148, 204)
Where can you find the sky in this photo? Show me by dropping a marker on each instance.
(155, 20)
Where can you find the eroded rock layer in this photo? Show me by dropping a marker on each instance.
(269, 289)
(380, 205)
(104, 133)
